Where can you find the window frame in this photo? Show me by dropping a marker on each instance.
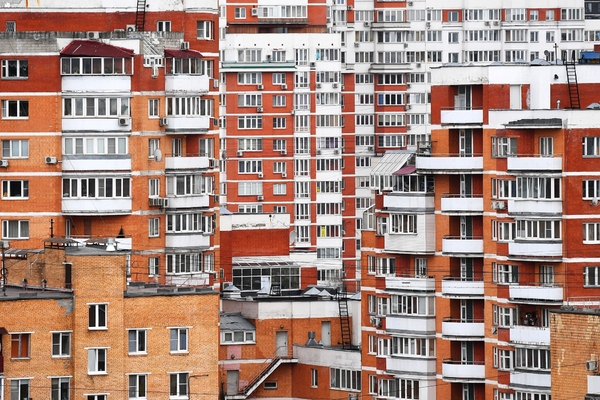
(179, 340)
(99, 316)
(6, 109)
(6, 67)
(97, 361)
(20, 345)
(22, 229)
(137, 337)
(137, 386)
(58, 344)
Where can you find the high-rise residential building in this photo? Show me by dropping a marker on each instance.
(482, 231)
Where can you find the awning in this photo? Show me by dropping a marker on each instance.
(266, 261)
(390, 163)
(173, 53)
(406, 170)
(92, 48)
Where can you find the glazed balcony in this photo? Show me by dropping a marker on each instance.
(94, 206)
(415, 324)
(197, 201)
(536, 293)
(188, 240)
(421, 284)
(421, 366)
(530, 379)
(456, 245)
(474, 371)
(187, 162)
(463, 330)
(535, 335)
(448, 164)
(464, 205)
(96, 83)
(456, 287)
(114, 162)
(97, 124)
(187, 83)
(534, 163)
(422, 242)
(535, 250)
(458, 116)
(535, 206)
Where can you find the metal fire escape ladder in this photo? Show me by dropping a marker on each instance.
(140, 15)
(573, 86)
(344, 320)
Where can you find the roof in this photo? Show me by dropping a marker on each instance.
(92, 48)
(176, 53)
(264, 261)
(235, 322)
(536, 123)
(406, 170)
(390, 163)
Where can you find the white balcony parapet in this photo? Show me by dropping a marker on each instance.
(113, 124)
(424, 366)
(404, 323)
(456, 371)
(199, 201)
(461, 117)
(531, 206)
(187, 162)
(86, 206)
(463, 329)
(535, 335)
(186, 83)
(462, 204)
(532, 249)
(97, 163)
(524, 378)
(534, 163)
(448, 164)
(410, 283)
(455, 287)
(197, 123)
(458, 245)
(187, 241)
(552, 293)
(412, 201)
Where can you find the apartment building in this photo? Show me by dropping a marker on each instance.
(73, 327)
(109, 131)
(478, 234)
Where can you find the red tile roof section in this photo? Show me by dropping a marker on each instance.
(92, 48)
(182, 53)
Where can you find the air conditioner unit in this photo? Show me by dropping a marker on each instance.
(336, 152)
(93, 35)
(428, 24)
(591, 365)
(185, 46)
(370, 148)
(260, 198)
(335, 85)
(260, 87)
(284, 175)
(293, 112)
(408, 127)
(498, 205)
(283, 152)
(240, 153)
(408, 85)
(313, 64)
(216, 198)
(405, 45)
(259, 109)
(356, 44)
(343, 87)
(487, 23)
(124, 121)
(367, 23)
(215, 83)
(254, 12)
(496, 23)
(375, 321)
(418, 65)
(4, 163)
(283, 86)
(410, 3)
(130, 28)
(352, 396)
(318, 152)
(350, 8)
(260, 175)
(156, 202)
(213, 163)
(51, 160)
(408, 107)
(319, 86)
(163, 122)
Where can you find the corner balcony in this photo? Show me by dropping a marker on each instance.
(535, 335)
(464, 205)
(421, 366)
(449, 164)
(458, 288)
(188, 240)
(462, 246)
(421, 284)
(196, 201)
(87, 206)
(194, 123)
(198, 84)
(96, 163)
(534, 206)
(457, 116)
(534, 293)
(463, 330)
(534, 163)
(187, 162)
(535, 250)
(530, 379)
(456, 371)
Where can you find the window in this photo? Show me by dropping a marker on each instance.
(179, 340)
(504, 146)
(60, 388)
(137, 341)
(15, 148)
(186, 222)
(314, 377)
(506, 317)
(153, 110)
(97, 65)
(453, 37)
(412, 305)
(547, 275)
(250, 278)
(591, 232)
(591, 276)
(61, 344)
(153, 264)
(549, 15)
(538, 188)
(505, 359)
(279, 101)
(420, 267)
(250, 188)
(15, 69)
(189, 106)
(20, 345)
(278, 78)
(280, 209)
(279, 123)
(12, 109)
(153, 227)
(95, 145)
(279, 188)
(250, 144)
(163, 26)
(179, 385)
(279, 145)
(96, 397)
(329, 252)
(410, 346)
(96, 361)
(97, 316)
(239, 13)
(250, 55)
(536, 359)
(204, 30)
(345, 379)
(250, 208)
(94, 107)
(15, 229)
(538, 229)
(153, 145)
(372, 304)
(591, 146)
(250, 166)
(249, 122)
(96, 188)
(249, 78)
(15, 189)
(505, 274)
(137, 386)
(453, 16)
(534, 15)
(405, 223)
(183, 263)
(241, 337)
(531, 396)
(19, 389)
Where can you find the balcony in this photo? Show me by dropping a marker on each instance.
(410, 324)
(523, 378)
(455, 328)
(534, 206)
(186, 83)
(96, 163)
(198, 201)
(455, 287)
(87, 206)
(421, 284)
(464, 205)
(535, 335)
(536, 293)
(457, 371)
(461, 117)
(409, 201)
(187, 162)
(534, 250)
(113, 124)
(449, 164)
(194, 123)
(534, 163)
(422, 242)
(96, 83)
(469, 245)
(190, 240)
(421, 366)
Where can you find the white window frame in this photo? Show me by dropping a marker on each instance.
(97, 316)
(97, 361)
(178, 339)
(61, 344)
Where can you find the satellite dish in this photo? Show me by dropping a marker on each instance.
(157, 155)
(292, 237)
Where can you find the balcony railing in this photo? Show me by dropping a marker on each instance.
(472, 328)
(536, 292)
(532, 249)
(189, 161)
(419, 283)
(469, 371)
(530, 335)
(462, 245)
(446, 163)
(457, 116)
(457, 287)
(462, 204)
(534, 163)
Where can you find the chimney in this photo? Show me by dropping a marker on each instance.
(311, 340)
